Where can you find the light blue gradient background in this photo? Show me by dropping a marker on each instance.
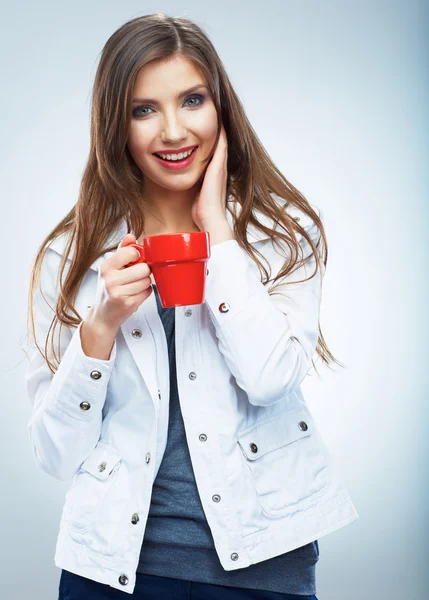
(338, 94)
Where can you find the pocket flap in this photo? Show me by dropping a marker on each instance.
(102, 461)
(279, 431)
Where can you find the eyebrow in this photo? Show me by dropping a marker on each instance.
(185, 93)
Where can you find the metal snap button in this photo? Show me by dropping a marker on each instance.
(147, 458)
(303, 425)
(192, 375)
(202, 437)
(188, 312)
(224, 307)
(216, 498)
(234, 556)
(136, 333)
(123, 579)
(85, 405)
(95, 374)
(135, 519)
(102, 466)
(253, 447)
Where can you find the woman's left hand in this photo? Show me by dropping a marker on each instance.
(209, 208)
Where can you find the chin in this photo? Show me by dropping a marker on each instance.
(185, 182)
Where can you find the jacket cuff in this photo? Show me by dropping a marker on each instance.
(80, 383)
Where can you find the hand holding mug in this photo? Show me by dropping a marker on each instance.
(121, 288)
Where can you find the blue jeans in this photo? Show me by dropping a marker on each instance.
(152, 587)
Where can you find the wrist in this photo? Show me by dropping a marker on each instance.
(220, 232)
(96, 342)
(100, 327)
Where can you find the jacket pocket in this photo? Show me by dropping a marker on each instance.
(286, 461)
(90, 485)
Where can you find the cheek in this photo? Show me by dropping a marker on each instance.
(204, 123)
(137, 141)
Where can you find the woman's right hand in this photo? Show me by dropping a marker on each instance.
(120, 289)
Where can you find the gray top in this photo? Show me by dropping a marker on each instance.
(178, 542)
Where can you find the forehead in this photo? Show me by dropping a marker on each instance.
(169, 75)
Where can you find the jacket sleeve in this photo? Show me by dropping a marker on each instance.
(66, 417)
(267, 341)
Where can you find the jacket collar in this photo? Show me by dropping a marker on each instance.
(254, 235)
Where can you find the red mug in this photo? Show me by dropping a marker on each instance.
(179, 265)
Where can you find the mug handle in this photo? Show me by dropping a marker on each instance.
(142, 255)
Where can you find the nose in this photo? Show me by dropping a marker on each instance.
(173, 130)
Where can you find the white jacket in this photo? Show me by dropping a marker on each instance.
(265, 477)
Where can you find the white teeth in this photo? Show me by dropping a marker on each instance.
(179, 156)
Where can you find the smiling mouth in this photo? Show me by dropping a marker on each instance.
(177, 165)
(179, 160)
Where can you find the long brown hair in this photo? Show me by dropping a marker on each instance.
(111, 185)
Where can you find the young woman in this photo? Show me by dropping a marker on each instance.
(196, 466)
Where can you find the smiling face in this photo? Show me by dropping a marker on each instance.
(165, 119)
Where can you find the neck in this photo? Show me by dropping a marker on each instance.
(168, 211)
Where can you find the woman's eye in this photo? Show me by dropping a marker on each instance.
(199, 97)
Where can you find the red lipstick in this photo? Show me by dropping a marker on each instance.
(175, 165)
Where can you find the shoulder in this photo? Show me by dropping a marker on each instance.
(296, 213)
(58, 248)
(302, 218)
(255, 235)
(50, 285)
